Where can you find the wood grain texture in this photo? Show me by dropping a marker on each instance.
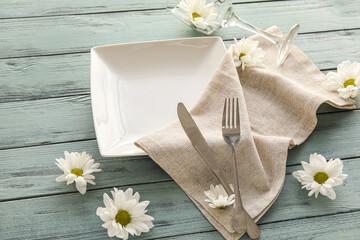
(67, 75)
(45, 121)
(29, 8)
(55, 215)
(344, 226)
(31, 172)
(44, 77)
(45, 109)
(49, 121)
(334, 136)
(48, 35)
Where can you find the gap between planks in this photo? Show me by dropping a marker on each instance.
(128, 10)
(225, 40)
(133, 184)
(17, 70)
(116, 26)
(274, 215)
(261, 224)
(88, 190)
(85, 134)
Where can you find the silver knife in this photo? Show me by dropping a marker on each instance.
(199, 142)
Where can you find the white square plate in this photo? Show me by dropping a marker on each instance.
(135, 87)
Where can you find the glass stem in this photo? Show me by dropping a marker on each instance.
(236, 21)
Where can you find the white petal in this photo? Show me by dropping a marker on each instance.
(323, 190)
(320, 162)
(104, 214)
(88, 176)
(298, 174)
(108, 202)
(90, 181)
(81, 185)
(311, 192)
(61, 178)
(140, 226)
(212, 205)
(130, 229)
(106, 224)
(113, 229)
(357, 81)
(316, 194)
(331, 194)
(333, 82)
(70, 178)
(343, 176)
(334, 167)
(308, 168)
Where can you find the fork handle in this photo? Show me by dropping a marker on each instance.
(240, 215)
(238, 220)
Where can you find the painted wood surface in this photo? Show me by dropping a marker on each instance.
(69, 119)
(29, 8)
(39, 170)
(67, 75)
(45, 109)
(62, 211)
(74, 34)
(310, 228)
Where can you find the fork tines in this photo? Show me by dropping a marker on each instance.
(231, 118)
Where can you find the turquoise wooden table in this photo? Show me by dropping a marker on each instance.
(45, 109)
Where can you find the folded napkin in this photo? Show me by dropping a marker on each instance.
(278, 111)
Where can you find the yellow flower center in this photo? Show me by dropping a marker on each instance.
(321, 177)
(195, 15)
(241, 55)
(77, 172)
(221, 207)
(349, 82)
(123, 217)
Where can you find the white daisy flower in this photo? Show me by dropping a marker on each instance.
(320, 176)
(79, 168)
(218, 198)
(348, 92)
(346, 80)
(246, 53)
(199, 13)
(124, 214)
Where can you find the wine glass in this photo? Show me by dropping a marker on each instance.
(207, 17)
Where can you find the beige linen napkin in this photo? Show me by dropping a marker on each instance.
(278, 110)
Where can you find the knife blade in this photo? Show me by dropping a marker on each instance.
(197, 139)
(199, 142)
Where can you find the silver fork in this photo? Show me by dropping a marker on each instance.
(241, 220)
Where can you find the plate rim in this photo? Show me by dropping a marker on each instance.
(138, 151)
(158, 41)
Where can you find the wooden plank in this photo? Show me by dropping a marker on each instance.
(36, 165)
(29, 8)
(44, 36)
(70, 119)
(59, 217)
(174, 213)
(67, 75)
(334, 136)
(44, 77)
(31, 172)
(45, 121)
(345, 226)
